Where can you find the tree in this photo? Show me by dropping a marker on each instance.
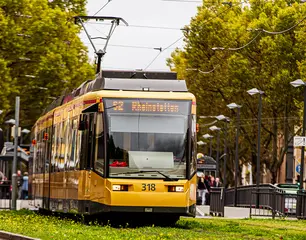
(78, 7)
(42, 55)
(250, 59)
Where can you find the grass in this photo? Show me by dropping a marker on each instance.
(47, 227)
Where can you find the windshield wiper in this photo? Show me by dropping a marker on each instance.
(167, 178)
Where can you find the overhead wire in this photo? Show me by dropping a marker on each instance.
(200, 71)
(102, 7)
(238, 48)
(260, 31)
(128, 46)
(227, 9)
(267, 121)
(138, 26)
(284, 31)
(162, 50)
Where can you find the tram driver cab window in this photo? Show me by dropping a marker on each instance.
(99, 153)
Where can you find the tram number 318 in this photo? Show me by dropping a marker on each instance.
(148, 187)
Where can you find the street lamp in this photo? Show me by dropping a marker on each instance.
(233, 106)
(226, 120)
(208, 136)
(24, 131)
(201, 143)
(298, 83)
(10, 123)
(254, 91)
(215, 128)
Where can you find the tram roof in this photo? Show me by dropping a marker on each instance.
(127, 84)
(125, 81)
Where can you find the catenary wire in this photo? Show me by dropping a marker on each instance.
(284, 31)
(108, 1)
(227, 9)
(137, 26)
(127, 46)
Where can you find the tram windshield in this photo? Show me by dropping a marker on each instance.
(147, 138)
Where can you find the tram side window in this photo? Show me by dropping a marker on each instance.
(99, 153)
(59, 146)
(68, 139)
(42, 152)
(193, 159)
(73, 145)
(48, 149)
(54, 144)
(37, 155)
(78, 149)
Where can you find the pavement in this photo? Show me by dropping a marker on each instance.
(20, 204)
(229, 212)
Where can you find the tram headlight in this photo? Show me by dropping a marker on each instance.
(179, 189)
(116, 187)
(175, 188)
(120, 187)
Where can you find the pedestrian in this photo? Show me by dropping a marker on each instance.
(217, 182)
(212, 181)
(25, 186)
(207, 191)
(19, 183)
(202, 190)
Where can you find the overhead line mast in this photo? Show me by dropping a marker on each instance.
(115, 21)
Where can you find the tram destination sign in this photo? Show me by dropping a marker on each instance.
(147, 106)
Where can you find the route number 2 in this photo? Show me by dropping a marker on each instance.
(149, 187)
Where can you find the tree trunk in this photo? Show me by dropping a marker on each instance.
(274, 177)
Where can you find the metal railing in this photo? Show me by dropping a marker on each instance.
(267, 202)
(217, 202)
(301, 204)
(5, 195)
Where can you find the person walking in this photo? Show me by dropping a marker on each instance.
(202, 190)
(217, 183)
(19, 183)
(24, 187)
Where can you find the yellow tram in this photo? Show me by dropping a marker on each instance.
(117, 144)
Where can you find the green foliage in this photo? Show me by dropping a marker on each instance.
(30, 224)
(41, 54)
(269, 63)
(75, 6)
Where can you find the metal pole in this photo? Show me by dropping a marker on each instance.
(225, 154)
(8, 133)
(14, 174)
(236, 155)
(100, 54)
(303, 148)
(258, 151)
(210, 146)
(217, 158)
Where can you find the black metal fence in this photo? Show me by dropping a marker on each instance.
(267, 200)
(301, 205)
(5, 195)
(217, 202)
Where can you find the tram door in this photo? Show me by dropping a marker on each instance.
(88, 138)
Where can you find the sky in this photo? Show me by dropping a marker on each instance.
(170, 16)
